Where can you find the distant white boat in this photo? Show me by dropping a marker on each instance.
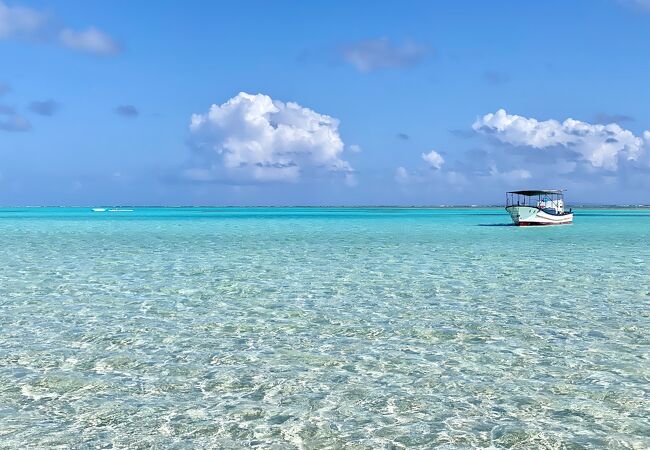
(544, 207)
(99, 209)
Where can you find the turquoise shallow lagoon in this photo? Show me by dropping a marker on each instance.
(323, 328)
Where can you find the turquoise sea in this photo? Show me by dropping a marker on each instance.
(323, 328)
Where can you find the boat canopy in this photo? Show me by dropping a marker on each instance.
(547, 199)
(542, 192)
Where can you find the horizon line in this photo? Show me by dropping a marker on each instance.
(591, 205)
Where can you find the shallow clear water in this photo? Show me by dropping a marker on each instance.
(323, 328)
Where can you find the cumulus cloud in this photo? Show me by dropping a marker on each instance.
(600, 145)
(253, 138)
(402, 175)
(29, 24)
(44, 108)
(127, 111)
(433, 159)
(374, 54)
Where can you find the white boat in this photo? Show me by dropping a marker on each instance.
(99, 209)
(545, 207)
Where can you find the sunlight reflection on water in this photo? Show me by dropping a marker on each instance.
(318, 328)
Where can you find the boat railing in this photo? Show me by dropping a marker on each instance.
(533, 201)
(570, 211)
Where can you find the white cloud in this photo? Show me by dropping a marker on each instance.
(32, 25)
(510, 176)
(434, 159)
(18, 21)
(374, 54)
(354, 148)
(255, 138)
(402, 175)
(600, 145)
(90, 40)
(439, 178)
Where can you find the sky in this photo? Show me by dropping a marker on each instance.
(323, 103)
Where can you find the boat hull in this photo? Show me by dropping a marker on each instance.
(528, 216)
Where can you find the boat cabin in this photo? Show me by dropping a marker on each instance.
(549, 201)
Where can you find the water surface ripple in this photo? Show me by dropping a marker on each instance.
(323, 328)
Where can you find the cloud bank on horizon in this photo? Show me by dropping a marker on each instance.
(601, 145)
(559, 152)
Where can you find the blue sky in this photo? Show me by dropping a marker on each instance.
(346, 103)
